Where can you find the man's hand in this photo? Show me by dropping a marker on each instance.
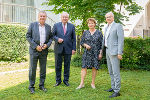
(120, 57)
(38, 48)
(73, 52)
(44, 46)
(60, 40)
(87, 46)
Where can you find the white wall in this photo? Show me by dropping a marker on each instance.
(133, 20)
(38, 5)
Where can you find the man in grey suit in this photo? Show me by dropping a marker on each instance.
(65, 46)
(39, 37)
(113, 42)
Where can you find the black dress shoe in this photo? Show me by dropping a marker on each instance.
(66, 83)
(115, 94)
(43, 89)
(58, 83)
(32, 90)
(109, 90)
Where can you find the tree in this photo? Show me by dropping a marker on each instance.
(83, 9)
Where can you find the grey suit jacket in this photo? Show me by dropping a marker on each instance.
(115, 39)
(33, 37)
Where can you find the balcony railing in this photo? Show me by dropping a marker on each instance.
(20, 14)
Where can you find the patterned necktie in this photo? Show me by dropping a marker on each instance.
(64, 29)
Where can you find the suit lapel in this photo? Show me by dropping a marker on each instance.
(37, 29)
(61, 28)
(111, 29)
(67, 29)
(46, 33)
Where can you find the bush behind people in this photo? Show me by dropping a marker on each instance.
(13, 45)
(136, 55)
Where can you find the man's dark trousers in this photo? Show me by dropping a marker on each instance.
(33, 65)
(59, 58)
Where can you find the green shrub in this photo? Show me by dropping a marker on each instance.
(13, 46)
(136, 55)
(76, 60)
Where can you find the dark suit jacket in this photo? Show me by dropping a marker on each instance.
(33, 37)
(69, 38)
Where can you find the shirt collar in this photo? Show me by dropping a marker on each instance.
(110, 24)
(41, 25)
(63, 24)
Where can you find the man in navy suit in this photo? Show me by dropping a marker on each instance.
(39, 37)
(65, 46)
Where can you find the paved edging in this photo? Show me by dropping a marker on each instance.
(14, 71)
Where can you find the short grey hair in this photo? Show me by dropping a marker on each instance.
(42, 11)
(65, 13)
(110, 13)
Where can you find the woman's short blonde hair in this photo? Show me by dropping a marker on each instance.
(91, 19)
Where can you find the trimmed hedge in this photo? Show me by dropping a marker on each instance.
(136, 54)
(13, 46)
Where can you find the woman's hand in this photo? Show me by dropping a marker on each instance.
(100, 56)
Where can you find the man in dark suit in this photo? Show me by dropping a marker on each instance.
(39, 37)
(113, 42)
(65, 46)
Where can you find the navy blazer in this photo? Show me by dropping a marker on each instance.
(69, 38)
(33, 37)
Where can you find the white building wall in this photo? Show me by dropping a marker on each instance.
(136, 22)
(38, 5)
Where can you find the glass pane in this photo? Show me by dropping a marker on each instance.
(21, 2)
(7, 1)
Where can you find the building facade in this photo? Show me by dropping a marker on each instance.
(21, 11)
(139, 24)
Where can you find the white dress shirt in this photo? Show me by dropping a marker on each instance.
(42, 34)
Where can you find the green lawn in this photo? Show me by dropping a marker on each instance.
(135, 85)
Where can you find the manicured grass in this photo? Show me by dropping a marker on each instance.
(135, 85)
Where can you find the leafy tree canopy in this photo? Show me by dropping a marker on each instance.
(83, 9)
